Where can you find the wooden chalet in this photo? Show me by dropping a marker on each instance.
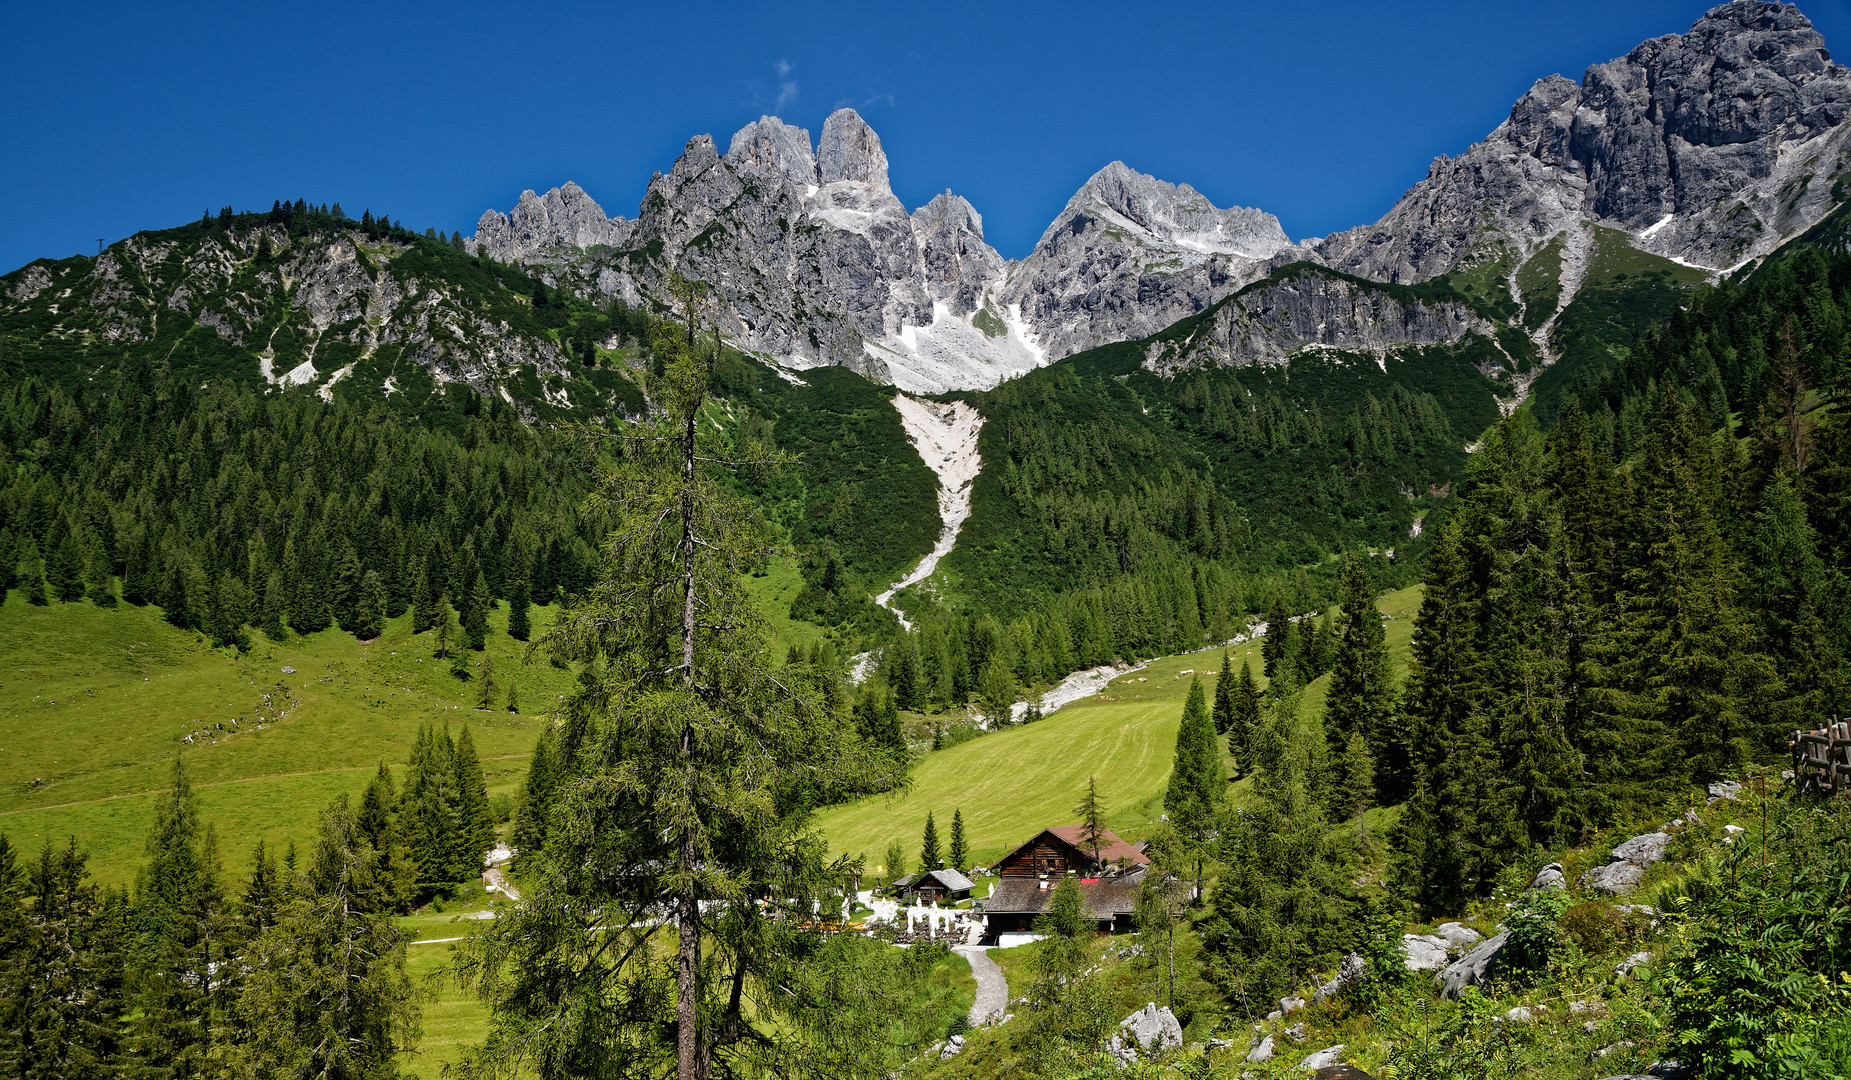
(934, 886)
(1028, 874)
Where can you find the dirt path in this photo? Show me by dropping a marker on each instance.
(992, 989)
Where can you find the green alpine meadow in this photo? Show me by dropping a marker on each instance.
(779, 635)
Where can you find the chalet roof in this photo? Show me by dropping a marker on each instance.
(1111, 847)
(1106, 898)
(950, 879)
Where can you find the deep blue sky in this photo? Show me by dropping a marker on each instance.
(125, 117)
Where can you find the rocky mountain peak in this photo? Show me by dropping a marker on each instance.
(542, 224)
(1707, 146)
(768, 144)
(1172, 213)
(959, 265)
(850, 150)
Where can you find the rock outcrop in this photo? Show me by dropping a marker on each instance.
(1629, 862)
(1150, 1030)
(1475, 967)
(1307, 306)
(542, 228)
(1709, 147)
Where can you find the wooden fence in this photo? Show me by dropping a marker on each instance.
(1822, 758)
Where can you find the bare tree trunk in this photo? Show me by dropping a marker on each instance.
(688, 1058)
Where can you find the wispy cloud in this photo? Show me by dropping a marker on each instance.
(872, 99)
(787, 87)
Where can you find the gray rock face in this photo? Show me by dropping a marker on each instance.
(959, 266)
(1615, 879)
(542, 227)
(1475, 967)
(1267, 324)
(811, 258)
(315, 297)
(772, 146)
(1709, 146)
(1131, 254)
(1643, 850)
(849, 150)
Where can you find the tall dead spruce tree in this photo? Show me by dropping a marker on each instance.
(678, 881)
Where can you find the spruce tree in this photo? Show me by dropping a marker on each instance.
(62, 967)
(273, 608)
(393, 884)
(1358, 772)
(1283, 905)
(449, 633)
(38, 591)
(182, 936)
(66, 565)
(1224, 696)
(1278, 641)
(475, 820)
(425, 601)
(327, 994)
(1361, 698)
(958, 851)
(533, 808)
(908, 676)
(1244, 726)
(313, 611)
(431, 804)
(928, 846)
(486, 685)
(369, 620)
(475, 613)
(1197, 794)
(520, 625)
(348, 577)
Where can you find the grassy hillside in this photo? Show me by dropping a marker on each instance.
(1014, 782)
(94, 704)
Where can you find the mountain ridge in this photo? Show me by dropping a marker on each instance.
(1746, 106)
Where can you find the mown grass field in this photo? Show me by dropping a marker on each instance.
(1013, 783)
(95, 703)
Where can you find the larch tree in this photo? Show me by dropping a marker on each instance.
(1092, 819)
(694, 765)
